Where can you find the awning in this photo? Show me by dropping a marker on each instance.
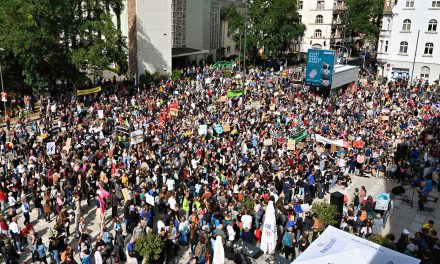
(182, 52)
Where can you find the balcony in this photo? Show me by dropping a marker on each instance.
(388, 7)
(338, 8)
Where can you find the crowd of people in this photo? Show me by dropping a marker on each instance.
(187, 162)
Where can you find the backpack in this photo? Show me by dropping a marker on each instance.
(287, 240)
(261, 211)
(356, 200)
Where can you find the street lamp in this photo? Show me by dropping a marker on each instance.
(1, 78)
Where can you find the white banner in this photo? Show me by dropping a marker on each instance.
(339, 143)
(50, 148)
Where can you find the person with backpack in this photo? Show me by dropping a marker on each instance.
(40, 251)
(289, 243)
(356, 201)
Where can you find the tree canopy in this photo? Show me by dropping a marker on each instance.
(364, 17)
(48, 40)
(271, 25)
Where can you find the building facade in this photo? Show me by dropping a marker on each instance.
(324, 23)
(409, 41)
(159, 31)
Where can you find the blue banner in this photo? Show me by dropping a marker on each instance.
(320, 68)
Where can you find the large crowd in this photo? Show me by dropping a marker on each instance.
(187, 162)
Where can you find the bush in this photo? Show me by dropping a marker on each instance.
(383, 241)
(175, 76)
(148, 78)
(248, 206)
(149, 246)
(326, 213)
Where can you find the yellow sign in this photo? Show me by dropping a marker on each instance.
(88, 91)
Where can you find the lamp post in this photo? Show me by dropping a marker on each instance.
(3, 88)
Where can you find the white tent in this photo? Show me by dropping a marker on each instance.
(338, 247)
(219, 252)
(269, 235)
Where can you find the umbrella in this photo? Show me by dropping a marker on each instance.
(269, 236)
(219, 252)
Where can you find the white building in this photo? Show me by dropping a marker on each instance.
(323, 20)
(158, 31)
(409, 41)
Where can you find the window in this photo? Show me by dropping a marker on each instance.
(403, 47)
(432, 26)
(300, 5)
(381, 45)
(318, 33)
(386, 46)
(429, 48)
(409, 3)
(436, 4)
(228, 49)
(406, 25)
(424, 72)
(320, 5)
(319, 19)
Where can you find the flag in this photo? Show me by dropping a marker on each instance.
(126, 122)
(236, 93)
(300, 135)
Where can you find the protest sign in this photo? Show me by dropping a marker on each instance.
(203, 130)
(218, 128)
(50, 148)
(226, 127)
(383, 199)
(268, 142)
(291, 144)
(136, 137)
(358, 144)
(149, 199)
(101, 114)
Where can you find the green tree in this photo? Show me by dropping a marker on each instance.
(271, 25)
(326, 213)
(364, 17)
(49, 40)
(249, 205)
(149, 246)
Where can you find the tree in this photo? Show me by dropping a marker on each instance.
(149, 246)
(50, 40)
(271, 25)
(364, 17)
(326, 213)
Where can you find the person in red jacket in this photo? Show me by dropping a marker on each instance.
(2, 200)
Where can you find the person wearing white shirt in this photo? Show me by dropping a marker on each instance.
(247, 221)
(160, 225)
(98, 256)
(14, 230)
(172, 202)
(170, 184)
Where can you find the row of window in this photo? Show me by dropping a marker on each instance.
(410, 3)
(320, 5)
(429, 48)
(432, 25)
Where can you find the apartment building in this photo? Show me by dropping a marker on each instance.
(409, 41)
(324, 23)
